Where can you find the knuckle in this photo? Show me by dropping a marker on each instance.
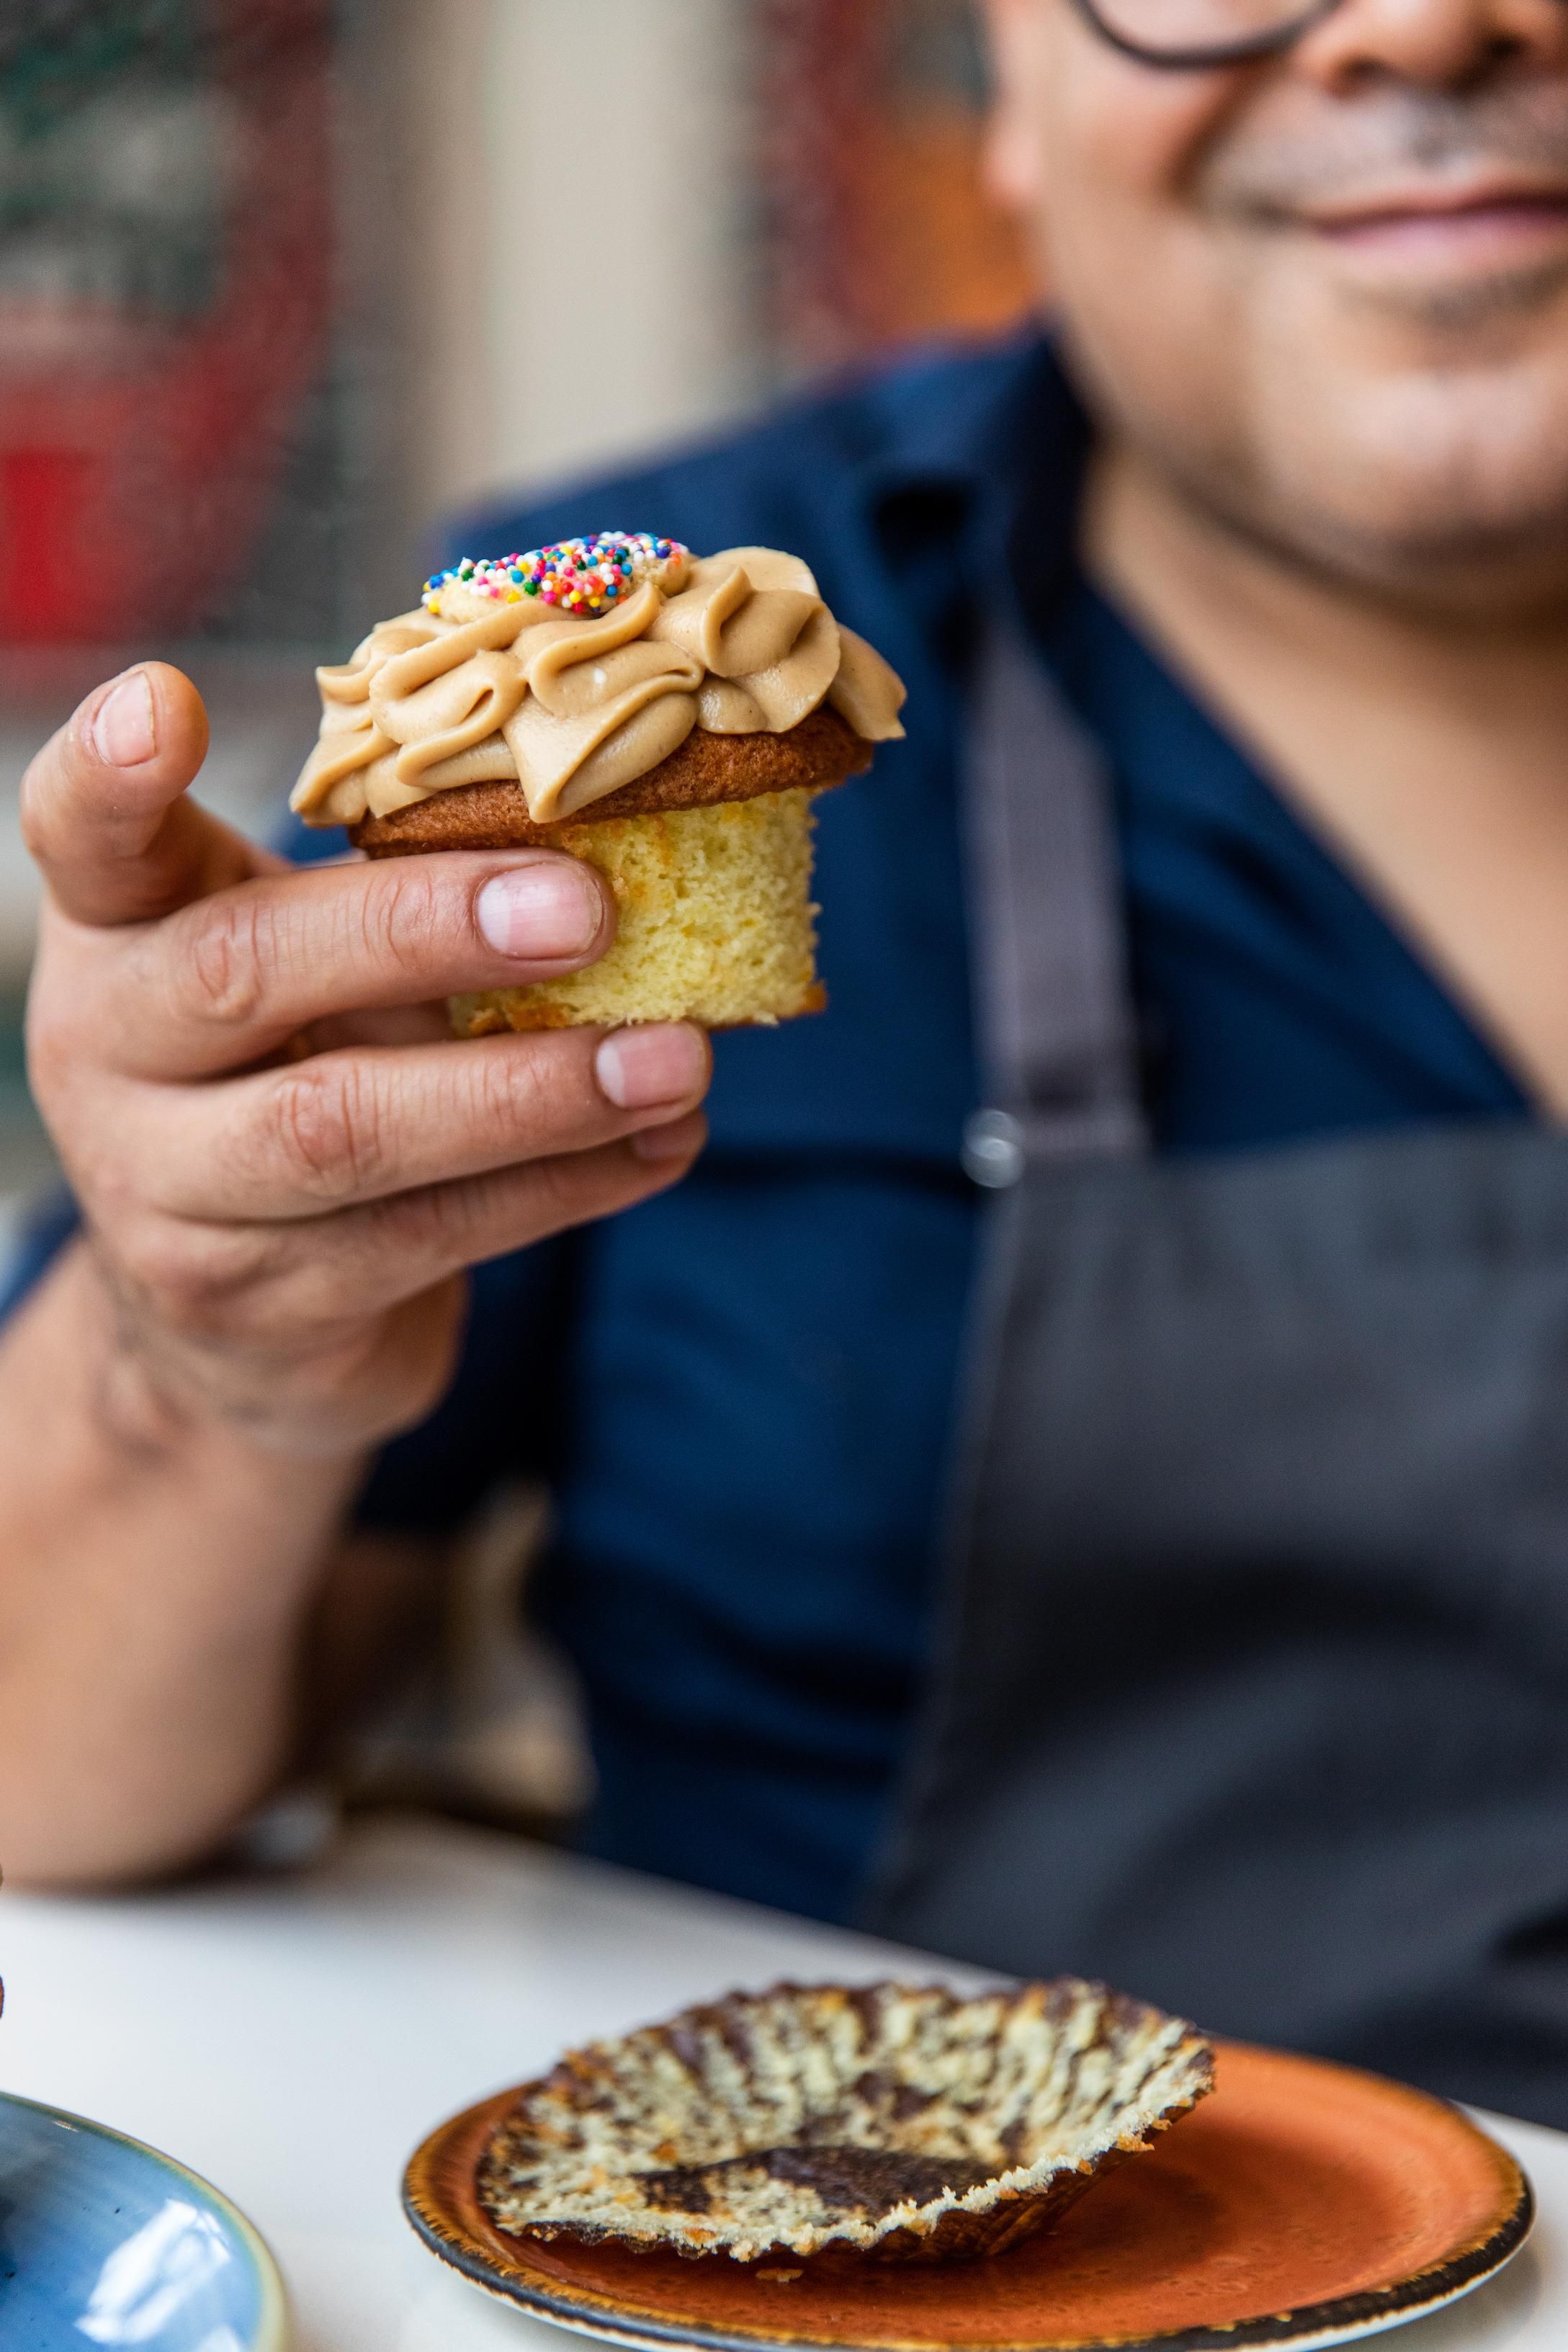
(542, 1093)
(328, 1129)
(517, 1094)
(225, 951)
(404, 918)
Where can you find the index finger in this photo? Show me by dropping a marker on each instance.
(231, 979)
(104, 811)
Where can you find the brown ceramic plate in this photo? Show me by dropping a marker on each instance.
(1302, 2204)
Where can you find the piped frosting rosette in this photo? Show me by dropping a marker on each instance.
(575, 670)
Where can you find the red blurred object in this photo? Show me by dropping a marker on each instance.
(882, 231)
(141, 440)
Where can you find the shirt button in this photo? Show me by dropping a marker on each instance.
(993, 1152)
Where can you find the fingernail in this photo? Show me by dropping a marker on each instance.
(125, 733)
(640, 1068)
(543, 912)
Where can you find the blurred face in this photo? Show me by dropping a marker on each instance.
(1325, 294)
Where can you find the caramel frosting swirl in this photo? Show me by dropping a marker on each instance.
(480, 685)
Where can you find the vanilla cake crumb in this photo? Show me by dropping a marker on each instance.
(717, 923)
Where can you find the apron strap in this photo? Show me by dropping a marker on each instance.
(1058, 1032)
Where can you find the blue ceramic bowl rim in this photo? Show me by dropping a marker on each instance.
(273, 2330)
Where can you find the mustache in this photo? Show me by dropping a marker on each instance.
(1388, 136)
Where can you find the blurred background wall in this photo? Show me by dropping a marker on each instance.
(281, 281)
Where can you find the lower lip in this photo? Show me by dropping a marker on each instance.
(1479, 236)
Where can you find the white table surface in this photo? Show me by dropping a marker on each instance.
(294, 2037)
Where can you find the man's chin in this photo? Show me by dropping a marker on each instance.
(1437, 313)
(1447, 311)
(1443, 483)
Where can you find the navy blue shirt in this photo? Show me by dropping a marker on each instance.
(744, 1394)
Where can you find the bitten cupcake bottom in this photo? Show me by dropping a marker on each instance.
(717, 924)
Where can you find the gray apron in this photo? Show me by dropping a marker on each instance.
(1252, 1692)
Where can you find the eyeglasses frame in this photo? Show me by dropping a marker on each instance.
(1215, 55)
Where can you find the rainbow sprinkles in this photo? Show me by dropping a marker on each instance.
(581, 576)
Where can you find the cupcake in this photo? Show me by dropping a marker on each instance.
(669, 720)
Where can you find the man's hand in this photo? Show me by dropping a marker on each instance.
(284, 1164)
(284, 1167)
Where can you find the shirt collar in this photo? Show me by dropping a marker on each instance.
(979, 466)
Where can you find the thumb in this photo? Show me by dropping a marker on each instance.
(104, 811)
